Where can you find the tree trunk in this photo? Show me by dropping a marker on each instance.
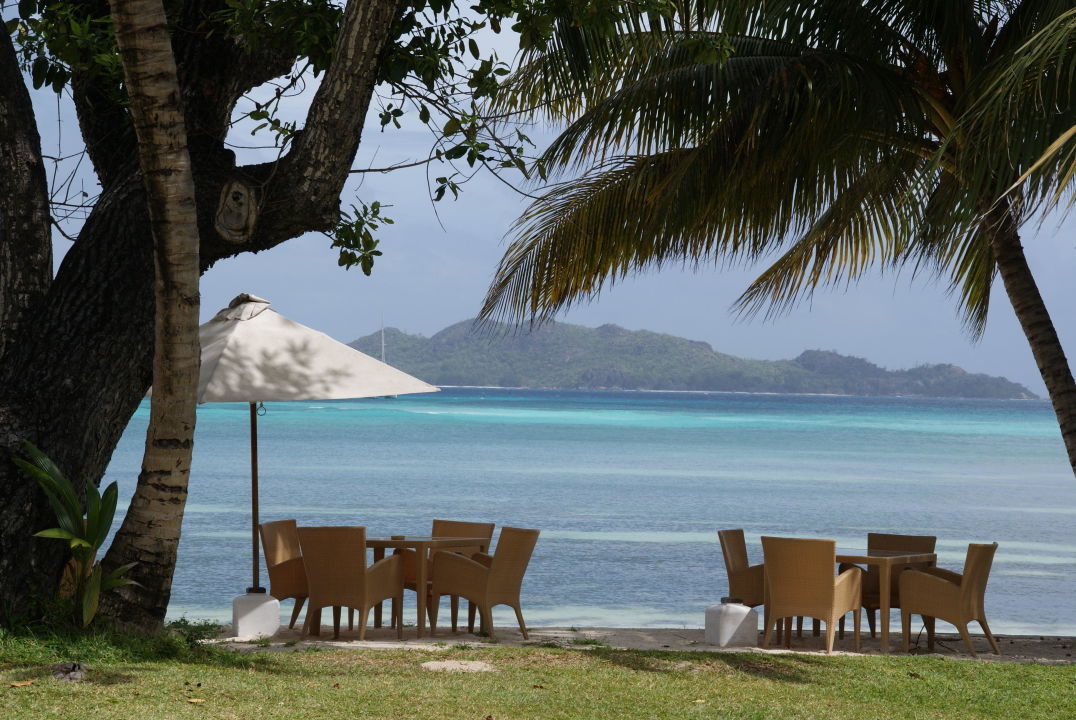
(25, 242)
(149, 535)
(1037, 326)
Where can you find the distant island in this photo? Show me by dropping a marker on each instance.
(559, 355)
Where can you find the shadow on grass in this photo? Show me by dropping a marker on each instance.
(33, 651)
(780, 668)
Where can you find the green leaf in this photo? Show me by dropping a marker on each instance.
(91, 597)
(61, 534)
(452, 127)
(115, 578)
(456, 152)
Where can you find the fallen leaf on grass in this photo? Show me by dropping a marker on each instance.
(195, 700)
(336, 685)
(915, 675)
(23, 683)
(538, 687)
(700, 701)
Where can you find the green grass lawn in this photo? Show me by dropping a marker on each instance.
(172, 677)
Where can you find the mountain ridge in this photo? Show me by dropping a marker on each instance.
(566, 356)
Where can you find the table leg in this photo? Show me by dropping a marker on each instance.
(379, 554)
(884, 578)
(422, 554)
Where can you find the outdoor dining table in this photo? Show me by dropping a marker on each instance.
(884, 560)
(423, 545)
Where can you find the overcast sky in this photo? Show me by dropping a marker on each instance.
(432, 276)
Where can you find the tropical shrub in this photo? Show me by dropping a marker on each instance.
(85, 530)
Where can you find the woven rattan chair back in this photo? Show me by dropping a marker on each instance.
(335, 559)
(280, 542)
(889, 541)
(799, 573)
(734, 550)
(911, 543)
(746, 582)
(284, 561)
(514, 549)
(456, 528)
(977, 564)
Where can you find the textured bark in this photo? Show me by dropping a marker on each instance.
(25, 245)
(149, 535)
(72, 380)
(1039, 329)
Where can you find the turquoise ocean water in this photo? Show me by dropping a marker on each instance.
(630, 485)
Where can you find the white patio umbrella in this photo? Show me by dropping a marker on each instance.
(253, 354)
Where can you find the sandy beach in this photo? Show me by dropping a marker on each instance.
(1014, 648)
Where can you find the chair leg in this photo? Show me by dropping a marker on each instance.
(767, 632)
(905, 629)
(454, 606)
(840, 628)
(396, 612)
(486, 612)
(870, 620)
(788, 632)
(830, 627)
(364, 615)
(433, 606)
(522, 625)
(990, 637)
(308, 624)
(816, 627)
(350, 619)
(397, 602)
(963, 628)
(799, 626)
(855, 629)
(295, 611)
(471, 610)
(929, 622)
(336, 622)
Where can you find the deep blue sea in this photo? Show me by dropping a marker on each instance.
(632, 485)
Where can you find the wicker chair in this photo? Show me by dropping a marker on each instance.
(955, 598)
(448, 528)
(284, 561)
(800, 581)
(885, 541)
(485, 580)
(747, 583)
(337, 576)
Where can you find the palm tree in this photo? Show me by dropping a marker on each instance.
(149, 536)
(838, 135)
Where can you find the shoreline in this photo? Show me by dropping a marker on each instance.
(1042, 649)
(741, 392)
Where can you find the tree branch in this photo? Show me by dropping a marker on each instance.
(303, 191)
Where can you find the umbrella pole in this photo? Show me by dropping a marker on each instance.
(256, 587)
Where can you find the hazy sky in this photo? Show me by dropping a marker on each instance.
(430, 277)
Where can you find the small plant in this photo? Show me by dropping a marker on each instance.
(84, 580)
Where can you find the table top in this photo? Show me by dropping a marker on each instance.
(410, 541)
(871, 555)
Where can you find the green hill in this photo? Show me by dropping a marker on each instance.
(559, 355)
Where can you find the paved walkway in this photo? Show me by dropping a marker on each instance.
(1015, 648)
